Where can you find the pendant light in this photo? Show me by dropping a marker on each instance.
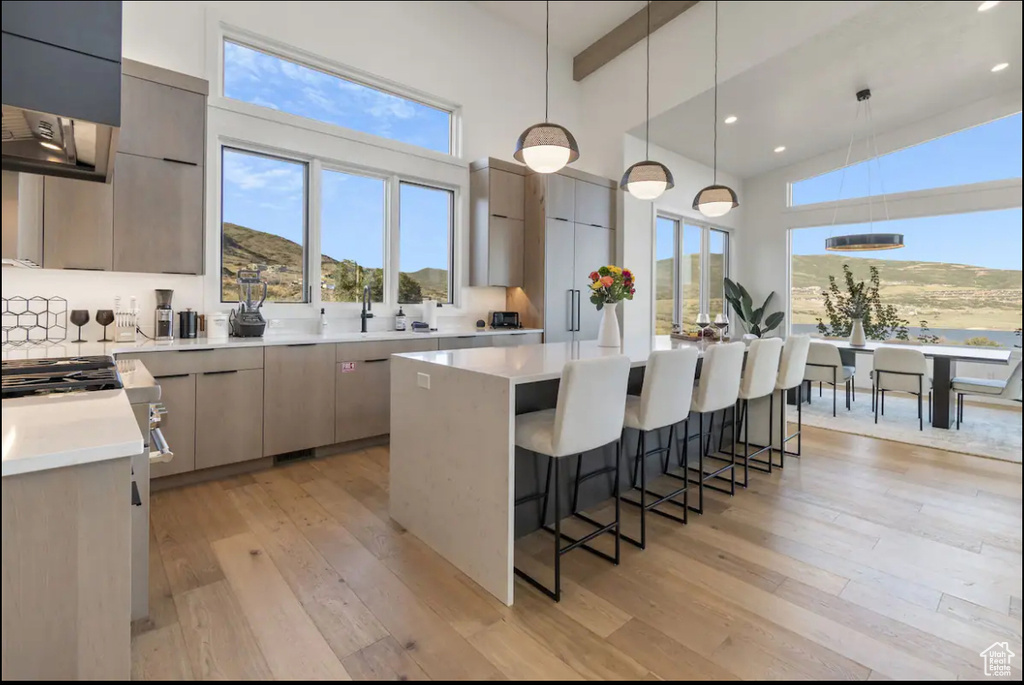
(715, 200)
(546, 147)
(647, 180)
(864, 242)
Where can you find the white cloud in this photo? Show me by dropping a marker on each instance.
(253, 173)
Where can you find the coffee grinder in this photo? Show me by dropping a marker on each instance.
(164, 315)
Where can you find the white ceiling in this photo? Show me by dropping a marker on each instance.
(574, 25)
(919, 59)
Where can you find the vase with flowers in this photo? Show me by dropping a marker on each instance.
(610, 285)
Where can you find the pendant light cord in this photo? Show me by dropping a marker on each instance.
(647, 131)
(846, 164)
(547, 54)
(878, 160)
(715, 171)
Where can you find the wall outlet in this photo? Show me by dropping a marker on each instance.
(276, 323)
(423, 380)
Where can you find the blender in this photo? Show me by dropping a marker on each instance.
(247, 321)
(164, 315)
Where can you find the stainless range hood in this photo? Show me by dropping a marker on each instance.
(61, 85)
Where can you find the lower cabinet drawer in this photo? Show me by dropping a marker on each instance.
(178, 395)
(229, 417)
(363, 400)
(463, 341)
(190, 360)
(514, 339)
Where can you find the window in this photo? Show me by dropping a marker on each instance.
(352, 228)
(691, 264)
(425, 243)
(263, 218)
(267, 80)
(957, 281)
(989, 152)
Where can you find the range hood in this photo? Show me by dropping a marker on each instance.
(61, 85)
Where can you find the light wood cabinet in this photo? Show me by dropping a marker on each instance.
(78, 224)
(229, 408)
(158, 215)
(559, 196)
(161, 121)
(516, 339)
(363, 399)
(178, 394)
(595, 204)
(463, 342)
(496, 224)
(298, 397)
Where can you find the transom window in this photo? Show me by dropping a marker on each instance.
(270, 81)
(691, 264)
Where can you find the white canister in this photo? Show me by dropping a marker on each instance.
(217, 326)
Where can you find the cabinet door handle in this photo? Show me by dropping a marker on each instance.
(191, 349)
(172, 375)
(465, 337)
(174, 273)
(597, 225)
(572, 308)
(500, 216)
(84, 268)
(180, 161)
(219, 373)
(374, 361)
(579, 297)
(301, 345)
(558, 218)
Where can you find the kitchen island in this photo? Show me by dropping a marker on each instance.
(454, 472)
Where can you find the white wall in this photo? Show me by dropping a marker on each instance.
(636, 239)
(452, 50)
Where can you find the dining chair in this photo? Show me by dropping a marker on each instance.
(897, 369)
(825, 365)
(984, 387)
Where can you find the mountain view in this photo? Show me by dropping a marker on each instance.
(280, 260)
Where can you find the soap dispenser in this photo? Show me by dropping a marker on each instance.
(400, 320)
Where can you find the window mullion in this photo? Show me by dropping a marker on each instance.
(313, 234)
(391, 242)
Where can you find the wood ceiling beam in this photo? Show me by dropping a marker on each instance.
(626, 35)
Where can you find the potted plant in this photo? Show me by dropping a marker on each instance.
(609, 285)
(753, 320)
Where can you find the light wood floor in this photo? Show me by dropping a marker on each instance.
(863, 560)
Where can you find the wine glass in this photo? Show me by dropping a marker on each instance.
(703, 321)
(105, 317)
(79, 317)
(721, 323)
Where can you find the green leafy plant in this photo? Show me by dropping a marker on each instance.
(753, 320)
(860, 300)
(981, 341)
(926, 337)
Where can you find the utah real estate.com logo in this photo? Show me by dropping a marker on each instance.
(997, 660)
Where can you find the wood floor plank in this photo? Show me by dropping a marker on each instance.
(219, 641)
(188, 559)
(519, 656)
(343, 620)
(160, 654)
(291, 643)
(383, 660)
(995, 622)
(664, 656)
(162, 611)
(1015, 607)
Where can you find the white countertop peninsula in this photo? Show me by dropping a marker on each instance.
(453, 456)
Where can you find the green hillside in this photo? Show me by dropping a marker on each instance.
(814, 270)
(280, 260)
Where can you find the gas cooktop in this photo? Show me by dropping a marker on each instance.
(26, 377)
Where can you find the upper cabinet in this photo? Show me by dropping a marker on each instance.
(558, 195)
(78, 221)
(595, 205)
(162, 121)
(497, 198)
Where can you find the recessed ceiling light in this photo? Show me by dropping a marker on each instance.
(50, 146)
(1000, 66)
(986, 6)
(731, 119)
(781, 148)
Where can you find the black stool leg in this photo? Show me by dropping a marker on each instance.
(557, 595)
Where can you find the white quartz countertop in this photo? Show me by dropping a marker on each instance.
(68, 349)
(54, 431)
(532, 363)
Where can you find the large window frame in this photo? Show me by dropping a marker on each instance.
(259, 130)
(680, 224)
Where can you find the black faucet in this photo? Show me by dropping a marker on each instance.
(367, 306)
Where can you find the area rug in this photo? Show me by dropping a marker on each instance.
(986, 432)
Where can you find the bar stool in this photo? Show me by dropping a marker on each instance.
(588, 415)
(717, 390)
(791, 376)
(663, 402)
(760, 375)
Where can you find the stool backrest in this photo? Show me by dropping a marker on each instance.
(762, 368)
(793, 362)
(668, 387)
(591, 404)
(719, 377)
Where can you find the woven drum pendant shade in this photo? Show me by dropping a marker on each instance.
(546, 148)
(647, 180)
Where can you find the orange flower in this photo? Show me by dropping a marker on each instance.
(607, 281)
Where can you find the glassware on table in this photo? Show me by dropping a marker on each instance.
(703, 321)
(722, 324)
(79, 317)
(104, 317)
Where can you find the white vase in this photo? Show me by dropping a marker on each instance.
(609, 333)
(857, 338)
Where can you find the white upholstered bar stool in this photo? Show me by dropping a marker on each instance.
(663, 402)
(899, 369)
(825, 365)
(588, 415)
(718, 390)
(791, 377)
(760, 373)
(1003, 390)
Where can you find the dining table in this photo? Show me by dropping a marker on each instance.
(944, 359)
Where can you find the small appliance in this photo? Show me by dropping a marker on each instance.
(164, 314)
(505, 320)
(30, 377)
(247, 321)
(188, 324)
